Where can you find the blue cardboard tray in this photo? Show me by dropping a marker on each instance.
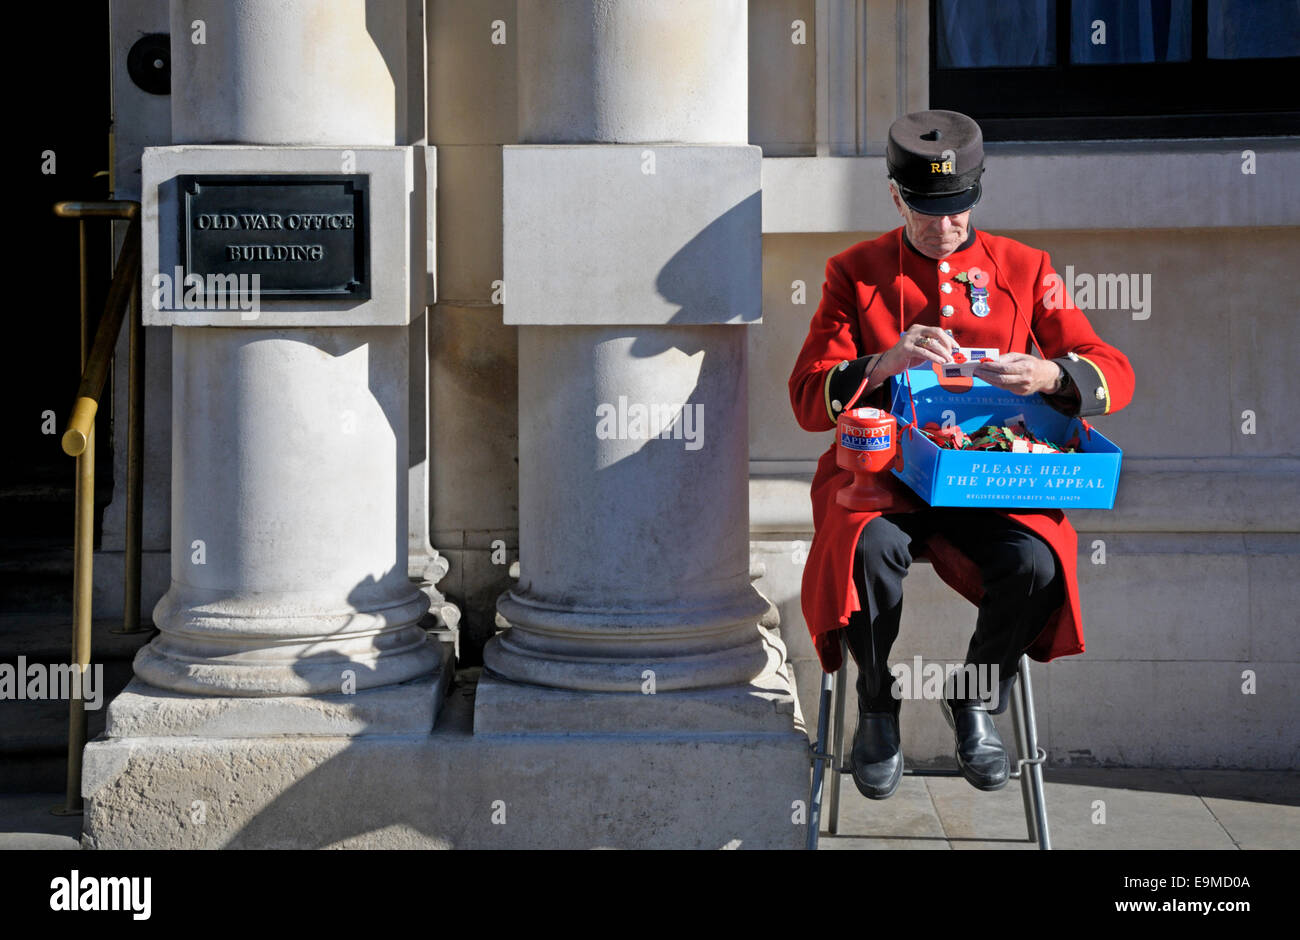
(944, 477)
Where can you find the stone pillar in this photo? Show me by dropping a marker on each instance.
(290, 437)
(632, 261)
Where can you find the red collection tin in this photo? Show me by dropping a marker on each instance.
(866, 446)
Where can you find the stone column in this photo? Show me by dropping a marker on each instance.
(632, 261)
(290, 436)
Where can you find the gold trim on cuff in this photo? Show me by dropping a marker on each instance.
(826, 391)
(1101, 375)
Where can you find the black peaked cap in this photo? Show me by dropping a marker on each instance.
(936, 158)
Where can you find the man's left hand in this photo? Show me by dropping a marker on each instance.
(1020, 373)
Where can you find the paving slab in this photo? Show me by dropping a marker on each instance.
(870, 844)
(41, 841)
(1259, 809)
(27, 823)
(1280, 787)
(907, 815)
(1141, 809)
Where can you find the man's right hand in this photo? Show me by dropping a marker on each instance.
(919, 345)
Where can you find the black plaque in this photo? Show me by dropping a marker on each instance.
(305, 235)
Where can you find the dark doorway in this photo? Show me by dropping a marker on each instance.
(62, 123)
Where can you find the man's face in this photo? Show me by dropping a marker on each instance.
(935, 236)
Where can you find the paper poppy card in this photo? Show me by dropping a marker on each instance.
(965, 359)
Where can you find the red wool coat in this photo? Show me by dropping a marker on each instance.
(865, 307)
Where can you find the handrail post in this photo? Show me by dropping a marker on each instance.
(79, 441)
(82, 557)
(83, 562)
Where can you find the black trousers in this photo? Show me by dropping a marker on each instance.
(1022, 586)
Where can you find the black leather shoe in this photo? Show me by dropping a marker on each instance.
(877, 759)
(980, 755)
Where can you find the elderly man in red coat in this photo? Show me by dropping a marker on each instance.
(906, 299)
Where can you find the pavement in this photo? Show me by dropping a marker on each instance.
(27, 823)
(1087, 808)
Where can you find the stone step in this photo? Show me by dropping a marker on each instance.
(41, 728)
(35, 510)
(47, 638)
(36, 545)
(36, 578)
(25, 773)
(34, 742)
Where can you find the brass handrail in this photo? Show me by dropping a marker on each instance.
(95, 369)
(79, 442)
(104, 209)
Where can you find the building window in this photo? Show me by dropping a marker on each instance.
(1089, 69)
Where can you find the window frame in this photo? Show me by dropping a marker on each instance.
(1198, 98)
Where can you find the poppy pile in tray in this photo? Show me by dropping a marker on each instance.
(1013, 437)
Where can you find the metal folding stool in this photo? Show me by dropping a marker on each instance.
(1029, 771)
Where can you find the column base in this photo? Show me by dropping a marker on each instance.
(628, 651)
(145, 711)
(425, 570)
(765, 705)
(245, 646)
(638, 788)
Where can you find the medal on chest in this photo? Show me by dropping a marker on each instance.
(977, 282)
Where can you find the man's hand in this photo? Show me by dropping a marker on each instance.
(1020, 373)
(919, 345)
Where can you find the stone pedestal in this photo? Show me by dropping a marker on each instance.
(726, 784)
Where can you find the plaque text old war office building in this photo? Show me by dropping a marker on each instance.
(304, 235)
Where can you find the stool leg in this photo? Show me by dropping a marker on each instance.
(837, 746)
(1022, 749)
(819, 762)
(1035, 769)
